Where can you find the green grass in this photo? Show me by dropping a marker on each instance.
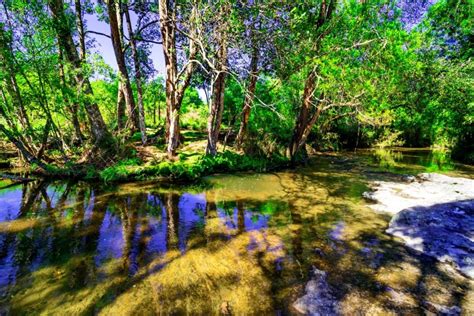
(190, 167)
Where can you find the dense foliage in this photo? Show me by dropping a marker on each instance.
(264, 79)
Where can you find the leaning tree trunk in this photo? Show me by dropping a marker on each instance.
(14, 91)
(303, 117)
(308, 117)
(99, 130)
(5, 112)
(29, 156)
(114, 11)
(7, 64)
(249, 97)
(138, 77)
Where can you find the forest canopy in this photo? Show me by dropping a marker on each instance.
(261, 79)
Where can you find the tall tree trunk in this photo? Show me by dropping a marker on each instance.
(121, 106)
(168, 34)
(114, 11)
(215, 116)
(72, 106)
(99, 130)
(80, 30)
(121, 117)
(138, 77)
(79, 138)
(218, 86)
(174, 90)
(249, 97)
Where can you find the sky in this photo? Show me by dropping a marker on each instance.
(103, 45)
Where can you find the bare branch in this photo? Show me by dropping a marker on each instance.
(98, 33)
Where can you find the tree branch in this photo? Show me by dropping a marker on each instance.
(98, 33)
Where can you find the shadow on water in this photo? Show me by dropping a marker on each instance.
(244, 246)
(371, 272)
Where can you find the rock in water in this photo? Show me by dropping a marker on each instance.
(319, 298)
(434, 215)
(444, 231)
(430, 189)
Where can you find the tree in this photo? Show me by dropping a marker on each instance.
(255, 38)
(138, 76)
(114, 9)
(176, 81)
(219, 70)
(99, 131)
(306, 119)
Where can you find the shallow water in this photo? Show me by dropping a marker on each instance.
(236, 244)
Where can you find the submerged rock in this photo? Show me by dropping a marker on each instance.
(434, 215)
(437, 309)
(319, 298)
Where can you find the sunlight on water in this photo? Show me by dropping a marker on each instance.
(241, 244)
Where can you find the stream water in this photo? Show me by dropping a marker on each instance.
(235, 244)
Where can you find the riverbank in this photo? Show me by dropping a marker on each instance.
(150, 163)
(191, 167)
(186, 167)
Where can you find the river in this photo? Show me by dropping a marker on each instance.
(233, 244)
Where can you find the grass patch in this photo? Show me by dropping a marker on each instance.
(191, 167)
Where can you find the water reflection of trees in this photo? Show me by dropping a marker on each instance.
(68, 223)
(430, 160)
(66, 228)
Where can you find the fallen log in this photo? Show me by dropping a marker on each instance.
(15, 178)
